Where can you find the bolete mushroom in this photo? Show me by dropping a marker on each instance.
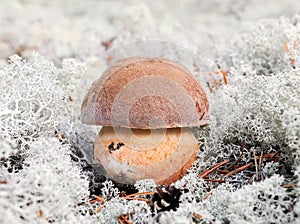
(146, 106)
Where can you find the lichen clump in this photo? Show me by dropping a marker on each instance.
(46, 174)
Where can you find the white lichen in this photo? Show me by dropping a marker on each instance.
(49, 187)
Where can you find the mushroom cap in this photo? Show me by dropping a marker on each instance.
(164, 155)
(146, 93)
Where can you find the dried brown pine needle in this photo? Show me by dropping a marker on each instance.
(207, 172)
(132, 196)
(138, 199)
(206, 196)
(250, 181)
(40, 213)
(93, 201)
(286, 47)
(223, 171)
(215, 180)
(197, 216)
(235, 162)
(224, 74)
(141, 193)
(293, 61)
(290, 185)
(97, 199)
(238, 169)
(260, 160)
(256, 165)
(3, 182)
(108, 43)
(98, 209)
(71, 99)
(275, 155)
(109, 58)
(122, 219)
(196, 68)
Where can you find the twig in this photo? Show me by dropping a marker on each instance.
(238, 169)
(207, 172)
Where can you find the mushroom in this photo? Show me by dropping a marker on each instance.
(146, 106)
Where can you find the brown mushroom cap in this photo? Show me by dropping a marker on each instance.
(127, 157)
(146, 93)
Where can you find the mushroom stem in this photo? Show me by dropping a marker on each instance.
(129, 155)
